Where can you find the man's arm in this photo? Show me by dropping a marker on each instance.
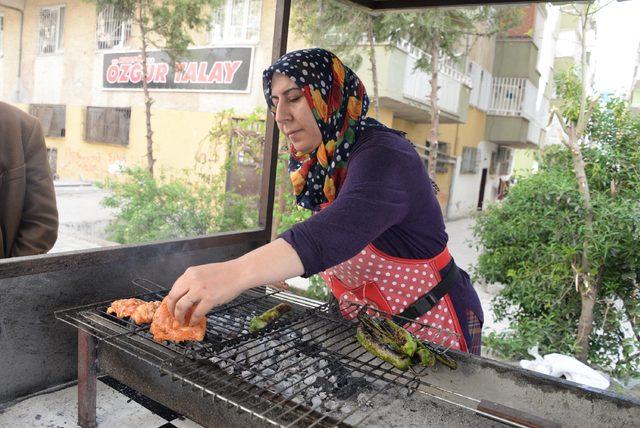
(39, 223)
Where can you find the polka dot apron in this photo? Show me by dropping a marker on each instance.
(392, 284)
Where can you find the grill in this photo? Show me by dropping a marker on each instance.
(305, 369)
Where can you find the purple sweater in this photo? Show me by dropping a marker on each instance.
(386, 199)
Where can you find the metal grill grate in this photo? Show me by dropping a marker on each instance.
(306, 369)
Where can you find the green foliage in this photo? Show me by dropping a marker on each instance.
(167, 24)
(192, 203)
(330, 24)
(533, 239)
(150, 209)
(446, 28)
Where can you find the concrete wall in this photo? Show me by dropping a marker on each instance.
(465, 188)
(517, 58)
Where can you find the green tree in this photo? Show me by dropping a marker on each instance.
(533, 243)
(573, 112)
(441, 33)
(164, 25)
(344, 30)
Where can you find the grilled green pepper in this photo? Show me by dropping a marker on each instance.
(425, 357)
(259, 322)
(407, 343)
(380, 350)
(391, 334)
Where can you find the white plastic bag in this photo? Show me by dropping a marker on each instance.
(559, 365)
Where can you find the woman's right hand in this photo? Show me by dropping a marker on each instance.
(201, 288)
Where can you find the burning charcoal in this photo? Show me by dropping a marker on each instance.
(316, 401)
(268, 372)
(287, 392)
(323, 395)
(330, 405)
(346, 409)
(241, 357)
(245, 374)
(332, 379)
(363, 400)
(310, 380)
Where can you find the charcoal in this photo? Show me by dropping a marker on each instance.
(316, 401)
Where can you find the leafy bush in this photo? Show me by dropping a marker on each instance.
(177, 207)
(532, 239)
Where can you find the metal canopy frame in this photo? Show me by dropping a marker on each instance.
(32, 288)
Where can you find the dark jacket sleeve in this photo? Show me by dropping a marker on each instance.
(39, 223)
(374, 197)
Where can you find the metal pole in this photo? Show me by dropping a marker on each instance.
(270, 157)
(87, 377)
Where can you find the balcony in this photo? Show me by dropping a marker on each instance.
(516, 114)
(406, 91)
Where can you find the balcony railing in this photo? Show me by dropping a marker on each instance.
(447, 65)
(508, 95)
(516, 96)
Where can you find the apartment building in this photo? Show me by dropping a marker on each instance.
(77, 69)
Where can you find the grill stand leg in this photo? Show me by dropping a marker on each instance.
(87, 376)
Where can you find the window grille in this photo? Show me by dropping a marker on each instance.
(112, 31)
(51, 29)
(469, 160)
(236, 21)
(108, 125)
(1, 33)
(52, 118)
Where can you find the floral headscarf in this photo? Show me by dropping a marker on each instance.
(339, 104)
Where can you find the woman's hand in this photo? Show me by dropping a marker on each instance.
(201, 288)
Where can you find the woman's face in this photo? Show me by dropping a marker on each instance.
(293, 114)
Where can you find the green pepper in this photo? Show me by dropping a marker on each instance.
(381, 351)
(259, 322)
(425, 358)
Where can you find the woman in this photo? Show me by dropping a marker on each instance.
(377, 236)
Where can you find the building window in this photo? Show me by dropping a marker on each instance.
(51, 29)
(469, 160)
(236, 21)
(1, 33)
(493, 166)
(52, 118)
(108, 125)
(112, 32)
(443, 154)
(504, 160)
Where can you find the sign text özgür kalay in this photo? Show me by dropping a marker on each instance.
(208, 69)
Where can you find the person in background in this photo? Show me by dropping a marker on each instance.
(28, 212)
